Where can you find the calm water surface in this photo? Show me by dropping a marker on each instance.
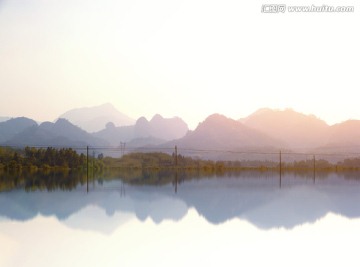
(249, 220)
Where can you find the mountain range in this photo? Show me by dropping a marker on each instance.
(218, 132)
(60, 133)
(156, 131)
(264, 130)
(306, 132)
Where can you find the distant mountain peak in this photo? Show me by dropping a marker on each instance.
(93, 119)
(141, 120)
(108, 104)
(14, 126)
(298, 130)
(20, 119)
(62, 121)
(157, 117)
(286, 116)
(216, 116)
(217, 120)
(262, 110)
(220, 132)
(110, 125)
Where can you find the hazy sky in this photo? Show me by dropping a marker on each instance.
(186, 58)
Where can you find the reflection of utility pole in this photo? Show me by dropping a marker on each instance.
(176, 181)
(176, 157)
(280, 168)
(314, 169)
(122, 148)
(122, 189)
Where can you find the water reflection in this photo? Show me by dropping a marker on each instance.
(168, 220)
(255, 197)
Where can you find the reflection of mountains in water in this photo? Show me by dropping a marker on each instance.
(260, 200)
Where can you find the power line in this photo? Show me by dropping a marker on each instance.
(123, 149)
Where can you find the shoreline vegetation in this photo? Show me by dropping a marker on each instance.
(66, 159)
(65, 169)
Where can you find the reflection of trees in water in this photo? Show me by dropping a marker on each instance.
(55, 180)
(44, 180)
(163, 177)
(350, 175)
(68, 180)
(10, 181)
(306, 174)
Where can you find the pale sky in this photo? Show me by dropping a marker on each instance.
(186, 58)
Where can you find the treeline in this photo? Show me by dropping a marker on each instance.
(159, 161)
(42, 158)
(67, 158)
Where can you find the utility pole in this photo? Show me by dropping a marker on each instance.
(122, 148)
(93, 162)
(93, 168)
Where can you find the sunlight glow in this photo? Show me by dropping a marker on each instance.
(174, 57)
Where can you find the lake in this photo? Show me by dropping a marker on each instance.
(249, 219)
